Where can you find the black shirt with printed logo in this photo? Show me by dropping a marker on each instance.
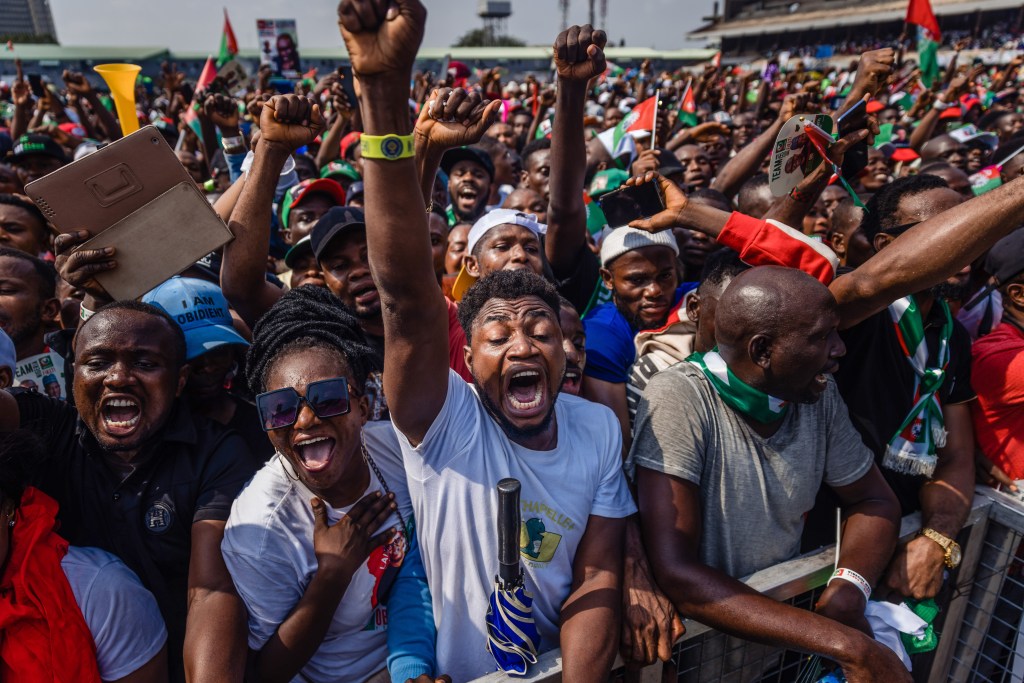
(142, 511)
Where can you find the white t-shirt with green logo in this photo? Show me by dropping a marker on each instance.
(452, 476)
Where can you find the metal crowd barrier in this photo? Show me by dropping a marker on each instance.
(980, 639)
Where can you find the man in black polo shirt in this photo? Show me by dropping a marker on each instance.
(891, 407)
(135, 473)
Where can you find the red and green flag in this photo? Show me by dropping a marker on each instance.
(986, 179)
(643, 117)
(688, 107)
(919, 13)
(612, 70)
(205, 79)
(228, 43)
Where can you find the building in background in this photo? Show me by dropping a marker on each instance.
(27, 21)
(823, 28)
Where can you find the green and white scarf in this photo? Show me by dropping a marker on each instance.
(912, 450)
(736, 393)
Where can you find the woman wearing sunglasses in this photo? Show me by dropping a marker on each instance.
(321, 544)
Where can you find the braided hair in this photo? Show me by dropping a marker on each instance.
(305, 318)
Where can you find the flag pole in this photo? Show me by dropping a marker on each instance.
(904, 36)
(654, 127)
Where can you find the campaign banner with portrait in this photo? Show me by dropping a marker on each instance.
(279, 46)
(42, 373)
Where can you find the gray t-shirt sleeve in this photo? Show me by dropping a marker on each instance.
(122, 615)
(847, 459)
(672, 427)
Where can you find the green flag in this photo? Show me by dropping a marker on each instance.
(228, 44)
(928, 54)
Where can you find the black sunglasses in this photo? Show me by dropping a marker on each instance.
(280, 408)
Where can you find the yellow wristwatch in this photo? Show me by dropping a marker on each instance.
(390, 147)
(951, 547)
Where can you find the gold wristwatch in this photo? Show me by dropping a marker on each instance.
(951, 547)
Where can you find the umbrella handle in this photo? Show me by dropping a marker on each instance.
(508, 530)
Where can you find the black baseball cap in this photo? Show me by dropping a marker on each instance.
(333, 223)
(1004, 262)
(454, 156)
(28, 145)
(356, 189)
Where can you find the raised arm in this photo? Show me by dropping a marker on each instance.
(21, 95)
(791, 208)
(382, 48)
(949, 97)
(747, 161)
(929, 252)
(579, 57)
(286, 123)
(873, 71)
(448, 119)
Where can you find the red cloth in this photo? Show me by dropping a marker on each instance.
(456, 343)
(919, 12)
(43, 635)
(770, 243)
(997, 376)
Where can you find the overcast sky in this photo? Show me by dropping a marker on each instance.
(195, 25)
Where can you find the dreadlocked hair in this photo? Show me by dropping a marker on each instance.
(306, 318)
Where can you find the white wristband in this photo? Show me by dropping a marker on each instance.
(853, 577)
(84, 313)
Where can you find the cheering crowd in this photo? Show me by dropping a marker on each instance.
(281, 464)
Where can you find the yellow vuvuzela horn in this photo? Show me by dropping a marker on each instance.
(120, 78)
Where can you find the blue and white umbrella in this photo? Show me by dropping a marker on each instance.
(512, 636)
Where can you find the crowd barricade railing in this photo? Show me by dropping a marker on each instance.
(979, 626)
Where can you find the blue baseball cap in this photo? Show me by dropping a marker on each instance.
(201, 310)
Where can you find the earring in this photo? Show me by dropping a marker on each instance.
(11, 523)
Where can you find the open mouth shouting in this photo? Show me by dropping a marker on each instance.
(120, 415)
(572, 380)
(365, 296)
(467, 196)
(314, 453)
(525, 394)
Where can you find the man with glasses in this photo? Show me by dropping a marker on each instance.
(136, 473)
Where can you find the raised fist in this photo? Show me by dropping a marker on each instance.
(76, 83)
(221, 110)
(382, 36)
(579, 53)
(290, 120)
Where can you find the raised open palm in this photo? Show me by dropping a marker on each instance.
(453, 118)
